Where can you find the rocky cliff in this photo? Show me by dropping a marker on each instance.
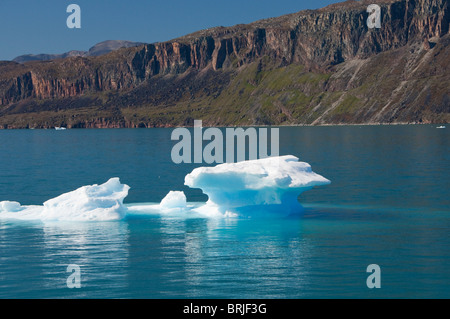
(312, 67)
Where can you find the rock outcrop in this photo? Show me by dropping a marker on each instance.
(312, 67)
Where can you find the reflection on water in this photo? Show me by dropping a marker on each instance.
(35, 257)
(154, 257)
(100, 249)
(201, 258)
(323, 253)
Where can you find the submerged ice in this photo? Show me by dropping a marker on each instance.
(244, 188)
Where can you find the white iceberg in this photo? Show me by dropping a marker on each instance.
(8, 206)
(248, 188)
(88, 203)
(174, 199)
(272, 183)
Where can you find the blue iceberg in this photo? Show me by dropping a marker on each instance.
(249, 188)
(265, 185)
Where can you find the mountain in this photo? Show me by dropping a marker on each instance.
(314, 67)
(98, 49)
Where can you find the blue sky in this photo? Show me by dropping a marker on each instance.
(30, 26)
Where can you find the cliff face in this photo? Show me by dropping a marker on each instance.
(315, 38)
(332, 67)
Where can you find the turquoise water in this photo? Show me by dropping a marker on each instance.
(388, 204)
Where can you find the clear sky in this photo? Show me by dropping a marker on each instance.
(39, 26)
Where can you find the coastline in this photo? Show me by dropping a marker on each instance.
(230, 126)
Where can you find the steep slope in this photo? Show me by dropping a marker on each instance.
(312, 67)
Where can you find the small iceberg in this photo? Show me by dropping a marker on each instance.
(58, 128)
(88, 203)
(442, 126)
(270, 184)
(174, 199)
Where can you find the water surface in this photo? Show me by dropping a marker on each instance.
(388, 204)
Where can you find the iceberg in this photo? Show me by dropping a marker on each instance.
(249, 188)
(8, 206)
(88, 203)
(271, 184)
(174, 199)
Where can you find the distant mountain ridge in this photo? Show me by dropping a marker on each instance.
(98, 49)
(312, 67)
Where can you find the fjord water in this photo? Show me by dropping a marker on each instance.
(388, 204)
